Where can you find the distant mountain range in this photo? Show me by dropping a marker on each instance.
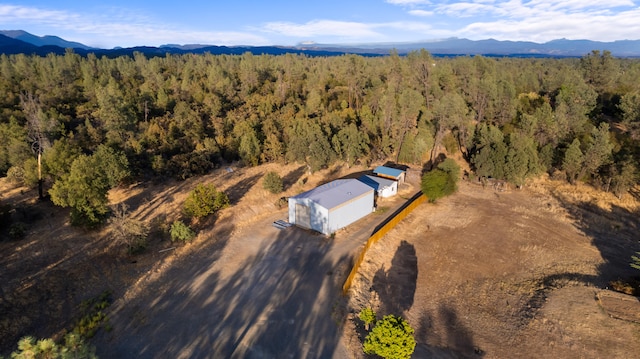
(19, 41)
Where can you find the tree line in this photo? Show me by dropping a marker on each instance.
(66, 119)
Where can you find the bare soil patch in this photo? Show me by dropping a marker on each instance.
(506, 274)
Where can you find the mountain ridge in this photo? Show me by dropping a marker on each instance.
(20, 41)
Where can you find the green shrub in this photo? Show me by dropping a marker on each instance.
(93, 317)
(272, 182)
(17, 230)
(391, 338)
(204, 200)
(635, 261)
(181, 232)
(74, 347)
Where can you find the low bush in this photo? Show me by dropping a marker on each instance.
(272, 182)
(181, 232)
(204, 200)
(17, 230)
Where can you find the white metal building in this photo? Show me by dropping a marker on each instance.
(331, 206)
(383, 186)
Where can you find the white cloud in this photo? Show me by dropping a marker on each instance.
(602, 27)
(12, 13)
(118, 27)
(423, 13)
(323, 28)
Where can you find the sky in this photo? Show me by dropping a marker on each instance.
(278, 22)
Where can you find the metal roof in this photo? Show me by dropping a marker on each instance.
(335, 193)
(388, 171)
(376, 182)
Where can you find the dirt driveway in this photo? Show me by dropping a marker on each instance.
(246, 292)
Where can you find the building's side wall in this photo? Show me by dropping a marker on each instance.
(389, 191)
(350, 212)
(319, 218)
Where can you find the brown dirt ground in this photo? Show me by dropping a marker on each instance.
(482, 273)
(512, 274)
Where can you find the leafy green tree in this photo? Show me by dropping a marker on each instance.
(573, 160)
(441, 181)
(368, 317)
(272, 182)
(390, 338)
(14, 149)
(351, 144)
(600, 70)
(491, 152)
(624, 177)
(630, 107)
(522, 159)
(249, 147)
(58, 159)
(86, 187)
(597, 151)
(204, 200)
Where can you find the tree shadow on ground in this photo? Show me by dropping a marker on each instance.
(238, 190)
(443, 335)
(48, 273)
(292, 177)
(431, 164)
(396, 287)
(277, 302)
(613, 232)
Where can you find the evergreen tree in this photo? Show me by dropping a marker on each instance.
(573, 161)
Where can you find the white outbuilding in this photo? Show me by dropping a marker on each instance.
(332, 206)
(384, 187)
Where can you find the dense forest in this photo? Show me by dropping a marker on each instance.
(81, 125)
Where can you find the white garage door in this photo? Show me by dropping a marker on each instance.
(303, 216)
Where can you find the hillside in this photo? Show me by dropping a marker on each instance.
(458, 265)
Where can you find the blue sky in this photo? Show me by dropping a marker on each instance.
(279, 22)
